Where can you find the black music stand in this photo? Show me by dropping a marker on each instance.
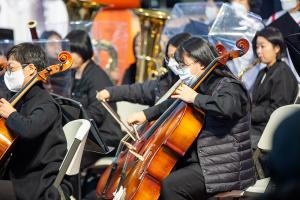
(72, 110)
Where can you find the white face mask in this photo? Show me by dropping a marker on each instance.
(186, 75)
(14, 80)
(173, 66)
(288, 4)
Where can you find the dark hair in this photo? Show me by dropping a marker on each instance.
(177, 40)
(28, 53)
(198, 49)
(47, 34)
(274, 36)
(80, 42)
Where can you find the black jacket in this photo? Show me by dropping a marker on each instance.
(223, 147)
(146, 93)
(40, 146)
(278, 88)
(84, 90)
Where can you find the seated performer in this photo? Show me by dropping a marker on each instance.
(88, 78)
(275, 85)
(36, 121)
(150, 91)
(220, 159)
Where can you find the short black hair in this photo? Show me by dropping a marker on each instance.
(28, 53)
(198, 49)
(47, 34)
(274, 36)
(176, 40)
(80, 42)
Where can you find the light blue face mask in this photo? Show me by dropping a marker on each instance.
(173, 66)
(186, 75)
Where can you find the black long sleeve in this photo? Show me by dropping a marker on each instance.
(278, 89)
(226, 101)
(146, 93)
(35, 124)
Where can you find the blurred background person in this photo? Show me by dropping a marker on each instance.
(88, 78)
(275, 85)
(53, 44)
(288, 6)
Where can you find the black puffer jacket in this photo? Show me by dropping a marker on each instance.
(223, 145)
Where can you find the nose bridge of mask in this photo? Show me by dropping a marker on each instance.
(173, 65)
(185, 75)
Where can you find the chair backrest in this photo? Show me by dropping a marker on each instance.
(76, 132)
(278, 118)
(297, 100)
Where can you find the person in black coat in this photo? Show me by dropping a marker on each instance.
(148, 92)
(88, 78)
(220, 159)
(36, 121)
(275, 86)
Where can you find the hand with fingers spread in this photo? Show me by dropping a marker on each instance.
(137, 118)
(185, 93)
(6, 108)
(103, 95)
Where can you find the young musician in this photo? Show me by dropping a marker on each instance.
(275, 85)
(36, 121)
(220, 159)
(88, 78)
(150, 91)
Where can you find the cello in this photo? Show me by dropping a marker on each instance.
(7, 139)
(139, 171)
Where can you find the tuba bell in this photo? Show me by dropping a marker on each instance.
(86, 10)
(149, 59)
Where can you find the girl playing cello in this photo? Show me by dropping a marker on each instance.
(220, 159)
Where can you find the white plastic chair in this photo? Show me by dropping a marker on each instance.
(265, 144)
(76, 132)
(297, 100)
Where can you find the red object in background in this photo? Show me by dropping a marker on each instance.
(116, 25)
(121, 4)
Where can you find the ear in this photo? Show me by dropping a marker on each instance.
(202, 67)
(277, 49)
(31, 69)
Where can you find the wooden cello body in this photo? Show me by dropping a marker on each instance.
(7, 139)
(160, 152)
(139, 171)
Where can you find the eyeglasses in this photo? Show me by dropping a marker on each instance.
(183, 65)
(14, 68)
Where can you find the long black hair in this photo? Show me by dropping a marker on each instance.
(176, 40)
(198, 49)
(80, 42)
(274, 36)
(201, 51)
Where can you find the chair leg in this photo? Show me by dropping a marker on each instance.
(79, 186)
(258, 166)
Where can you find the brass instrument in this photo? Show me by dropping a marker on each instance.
(250, 66)
(149, 59)
(32, 27)
(85, 11)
